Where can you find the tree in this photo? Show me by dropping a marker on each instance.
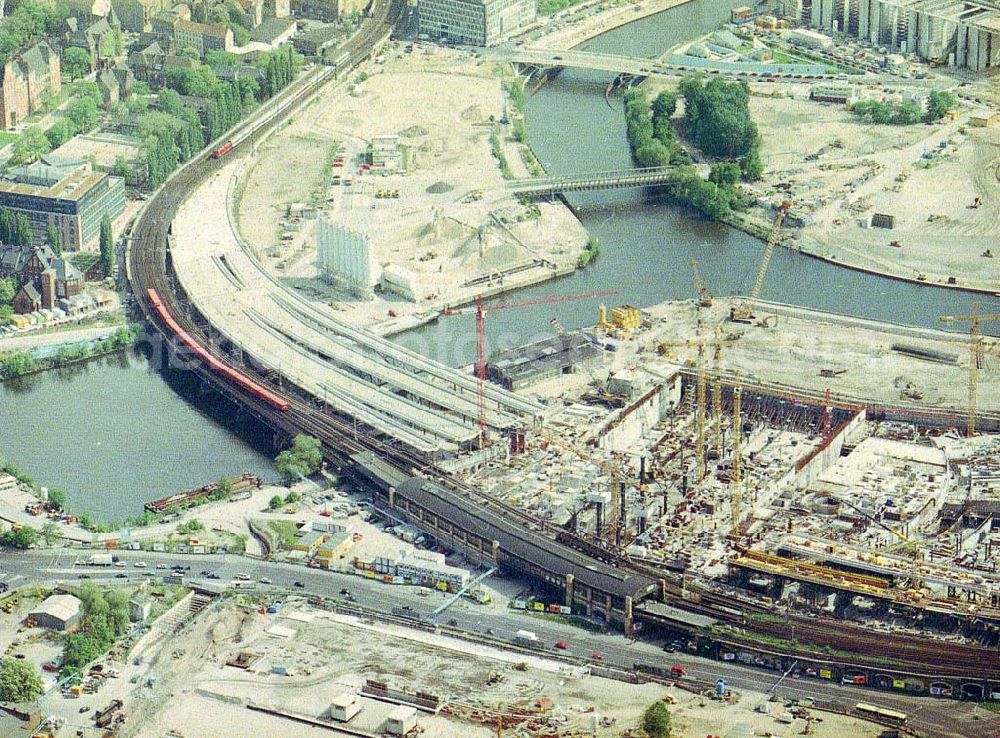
(22, 538)
(57, 499)
(75, 62)
(906, 114)
(83, 111)
(122, 168)
(6, 314)
(752, 166)
(53, 239)
(724, 173)
(656, 721)
(7, 291)
(275, 503)
(51, 532)
(30, 145)
(939, 103)
(60, 132)
(169, 101)
(107, 246)
(302, 458)
(665, 104)
(19, 682)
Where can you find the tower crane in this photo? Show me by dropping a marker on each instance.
(975, 355)
(704, 296)
(742, 312)
(480, 310)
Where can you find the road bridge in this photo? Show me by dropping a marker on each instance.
(612, 180)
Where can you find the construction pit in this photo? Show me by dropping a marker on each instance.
(638, 457)
(297, 666)
(440, 224)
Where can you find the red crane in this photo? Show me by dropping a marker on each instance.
(480, 310)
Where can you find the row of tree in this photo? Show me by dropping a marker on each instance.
(939, 103)
(7, 291)
(14, 228)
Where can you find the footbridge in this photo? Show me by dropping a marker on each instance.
(543, 186)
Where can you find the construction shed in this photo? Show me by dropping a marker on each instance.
(58, 612)
(564, 354)
(401, 720)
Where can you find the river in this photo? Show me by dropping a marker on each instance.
(116, 432)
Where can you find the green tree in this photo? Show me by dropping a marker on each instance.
(60, 132)
(51, 532)
(57, 499)
(519, 131)
(656, 721)
(292, 497)
(7, 291)
(724, 173)
(19, 682)
(302, 458)
(53, 239)
(752, 166)
(275, 503)
(665, 104)
(122, 168)
(107, 242)
(30, 145)
(22, 538)
(906, 114)
(75, 62)
(169, 101)
(939, 103)
(6, 314)
(83, 111)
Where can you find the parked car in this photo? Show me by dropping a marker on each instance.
(677, 671)
(300, 585)
(139, 564)
(597, 656)
(562, 645)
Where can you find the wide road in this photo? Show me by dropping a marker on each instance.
(50, 566)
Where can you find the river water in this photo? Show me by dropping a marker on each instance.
(117, 432)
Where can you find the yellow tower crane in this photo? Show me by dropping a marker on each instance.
(737, 481)
(704, 296)
(975, 355)
(742, 312)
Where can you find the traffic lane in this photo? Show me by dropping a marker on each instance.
(504, 624)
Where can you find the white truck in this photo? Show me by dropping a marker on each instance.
(526, 638)
(101, 560)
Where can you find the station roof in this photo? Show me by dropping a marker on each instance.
(668, 612)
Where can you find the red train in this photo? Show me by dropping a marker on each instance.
(214, 364)
(222, 150)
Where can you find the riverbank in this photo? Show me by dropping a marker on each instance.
(571, 27)
(16, 364)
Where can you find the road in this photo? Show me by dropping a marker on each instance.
(49, 566)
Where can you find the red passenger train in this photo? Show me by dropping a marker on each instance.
(222, 150)
(214, 364)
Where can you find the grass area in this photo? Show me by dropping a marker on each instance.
(284, 531)
(7, 137)
(548, 7)
(571, 620)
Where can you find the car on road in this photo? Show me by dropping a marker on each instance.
(84, 709)
(345, 591)
(139, 564)
(121, 575)
(161, 566)
(242, 577)
(84, 576)
(213, 575)
(562, 645)
(204, 573)
(265, 580)
(597, 656)
(668, 647)
(678, 671)
(298, 584)
(120, 564)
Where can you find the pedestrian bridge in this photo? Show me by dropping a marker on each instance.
(545, 186)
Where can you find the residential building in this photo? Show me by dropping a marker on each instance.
(322, 10)
(202, 37)
(253, 10)
(27, 80)
(107, 83)
(477, 22)
(58, 612)
(71, 199)
(274, 32)
(147, 64)
(277, 8)
(137, 15)
(27, 300)
(24, 264)
(94, 38)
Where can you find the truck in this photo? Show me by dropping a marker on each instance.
(101, 560)
(526, 638)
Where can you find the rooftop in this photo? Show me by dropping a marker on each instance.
(63, 607)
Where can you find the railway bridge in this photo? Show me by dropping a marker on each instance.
(610, 180)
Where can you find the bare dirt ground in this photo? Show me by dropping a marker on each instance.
(196, 693)
(444, 227)
(865, 169)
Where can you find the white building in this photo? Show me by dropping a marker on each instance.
(344, 707)
(809, 39)
(344, 257)
(401, 720)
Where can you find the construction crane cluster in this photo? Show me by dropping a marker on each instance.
(975, 355)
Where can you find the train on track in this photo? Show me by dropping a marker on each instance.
(237, 378)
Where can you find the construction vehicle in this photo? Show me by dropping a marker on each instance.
(976, 203)
(704, 296)
(975, 356)
(832, 372)
(742, 312)
(896, 244)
